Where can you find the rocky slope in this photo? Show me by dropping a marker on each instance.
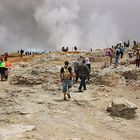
(32, 108)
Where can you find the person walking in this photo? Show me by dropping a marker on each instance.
(122, 51)
(138, 58)
(88, 63)
(83, 73)
(66, 75)
(109, 55)
(76, 64)
(117, 54)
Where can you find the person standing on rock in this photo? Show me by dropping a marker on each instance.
(66, 75)
(83, 73)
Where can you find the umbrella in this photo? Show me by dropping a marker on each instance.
(2, 64)
(8, 64)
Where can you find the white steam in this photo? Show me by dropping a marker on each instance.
(59, 22)
(51, 24)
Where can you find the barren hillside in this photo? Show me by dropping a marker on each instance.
(32, 106)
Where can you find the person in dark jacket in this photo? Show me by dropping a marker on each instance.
(83, 72)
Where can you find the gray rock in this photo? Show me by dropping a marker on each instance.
(121, 107)
(115, 76)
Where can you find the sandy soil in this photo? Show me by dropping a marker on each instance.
(31, 113)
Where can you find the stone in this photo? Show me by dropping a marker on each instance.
(15, 132)
(121, 107)
(107, 79)
(137, 98)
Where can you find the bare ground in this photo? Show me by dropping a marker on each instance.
(84, 117)
(31, 113)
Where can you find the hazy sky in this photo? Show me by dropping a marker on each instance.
(51, 24)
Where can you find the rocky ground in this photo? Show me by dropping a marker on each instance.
(32, 106)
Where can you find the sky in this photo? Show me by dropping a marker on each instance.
(51, 24)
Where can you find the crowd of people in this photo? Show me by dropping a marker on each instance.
(117, 52)
(28, 53)
(80, 70)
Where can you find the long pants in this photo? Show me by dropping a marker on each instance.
(116, 60)
(121, 54)
(138, 62)
(2, 72)
(82, 82)
(76, 80)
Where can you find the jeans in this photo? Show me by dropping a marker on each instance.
(116, 60)
(82, 82)
(66, 85)
(138, 62)
(76, 80)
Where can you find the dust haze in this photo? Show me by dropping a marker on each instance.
(51, 24)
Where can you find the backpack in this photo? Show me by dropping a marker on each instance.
(76, 64)
(108, 53)
(117, 53)
(66, 74)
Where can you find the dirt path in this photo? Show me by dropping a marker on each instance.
(35, 114)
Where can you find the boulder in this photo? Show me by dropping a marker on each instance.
(25, 80)
(125, 62)
(109, 79)
(121, 107)
(130, 74)
(34, 74)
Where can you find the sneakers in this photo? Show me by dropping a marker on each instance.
(84, 89)
(65, 99)
(80, 90)
(69, 96)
